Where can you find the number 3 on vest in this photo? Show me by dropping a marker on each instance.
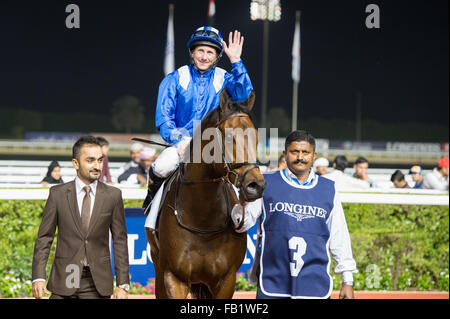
(297, 244)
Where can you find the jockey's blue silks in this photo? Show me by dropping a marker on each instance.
(186, 95)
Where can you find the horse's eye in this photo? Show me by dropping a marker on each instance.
(229, 138)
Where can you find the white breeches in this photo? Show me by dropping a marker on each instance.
(166, 162)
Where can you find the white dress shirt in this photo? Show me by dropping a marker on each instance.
(81, 193)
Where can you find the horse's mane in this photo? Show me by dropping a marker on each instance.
(213, 117)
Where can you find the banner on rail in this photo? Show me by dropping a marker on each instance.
(388, 146)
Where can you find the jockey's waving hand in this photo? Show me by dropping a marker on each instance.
(234, 49)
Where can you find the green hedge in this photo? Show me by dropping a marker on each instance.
(19, 224)
(396, 247)
(399, 247)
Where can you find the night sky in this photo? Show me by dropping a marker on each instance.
(401, 68)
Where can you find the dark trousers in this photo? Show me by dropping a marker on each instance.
(87, 288)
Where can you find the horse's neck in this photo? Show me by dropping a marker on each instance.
(208, 196)
(200, 172)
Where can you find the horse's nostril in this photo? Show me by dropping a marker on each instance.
(255, 187)
(252, 185)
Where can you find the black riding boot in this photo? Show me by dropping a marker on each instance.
(154, 182)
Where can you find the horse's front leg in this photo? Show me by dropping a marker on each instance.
(224, 289)
(175, 288)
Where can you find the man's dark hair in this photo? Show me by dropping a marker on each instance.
(340, 162)
(360, 160)
(103, 141)
(83, 140)
(299, 136)
(397, 176)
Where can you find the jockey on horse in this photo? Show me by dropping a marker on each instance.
(189, 93)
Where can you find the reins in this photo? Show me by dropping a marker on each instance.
(197, 230)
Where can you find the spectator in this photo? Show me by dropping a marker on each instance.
(53, 174)
(105, 176)
(147, 156)
(321, 166)
(417, 176)
(361, 166)
(438, 178)
(282, 162)
(135, 150)
(399, 180)
(342, 180)
(138, 174)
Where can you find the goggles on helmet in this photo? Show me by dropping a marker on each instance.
(208, 35)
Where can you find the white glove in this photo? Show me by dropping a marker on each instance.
(182, 146)
(252, 211)
(236, 216)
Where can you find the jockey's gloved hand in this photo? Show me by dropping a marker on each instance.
(252, 212)
(236, 216)
(183, 145)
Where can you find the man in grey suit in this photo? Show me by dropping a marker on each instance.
(84, 211)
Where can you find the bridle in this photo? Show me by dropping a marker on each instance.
(231, 177)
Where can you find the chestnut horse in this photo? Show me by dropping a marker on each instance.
(195, 246)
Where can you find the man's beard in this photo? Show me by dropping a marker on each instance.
(90, 175)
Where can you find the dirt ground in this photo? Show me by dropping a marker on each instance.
(358, 295)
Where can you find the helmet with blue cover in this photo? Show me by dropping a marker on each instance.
(209, 36)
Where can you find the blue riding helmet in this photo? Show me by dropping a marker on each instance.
(206, 36)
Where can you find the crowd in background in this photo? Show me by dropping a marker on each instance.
(135, 171)
(437, 179)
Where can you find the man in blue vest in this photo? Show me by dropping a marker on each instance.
(186, 95)
(303, 220)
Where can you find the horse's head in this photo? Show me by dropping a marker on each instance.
(239, 146)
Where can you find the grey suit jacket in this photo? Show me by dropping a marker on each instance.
(62, 212)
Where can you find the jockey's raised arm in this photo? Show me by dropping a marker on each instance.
(192, 91)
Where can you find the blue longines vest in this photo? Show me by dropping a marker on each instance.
(295, 261)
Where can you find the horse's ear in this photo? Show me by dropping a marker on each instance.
(250, 101)
(224, 103)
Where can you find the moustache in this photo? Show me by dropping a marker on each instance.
(94, 171)
(299, 161)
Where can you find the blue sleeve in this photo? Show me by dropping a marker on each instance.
(238, 82)
(165, 108)
(170, 133)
